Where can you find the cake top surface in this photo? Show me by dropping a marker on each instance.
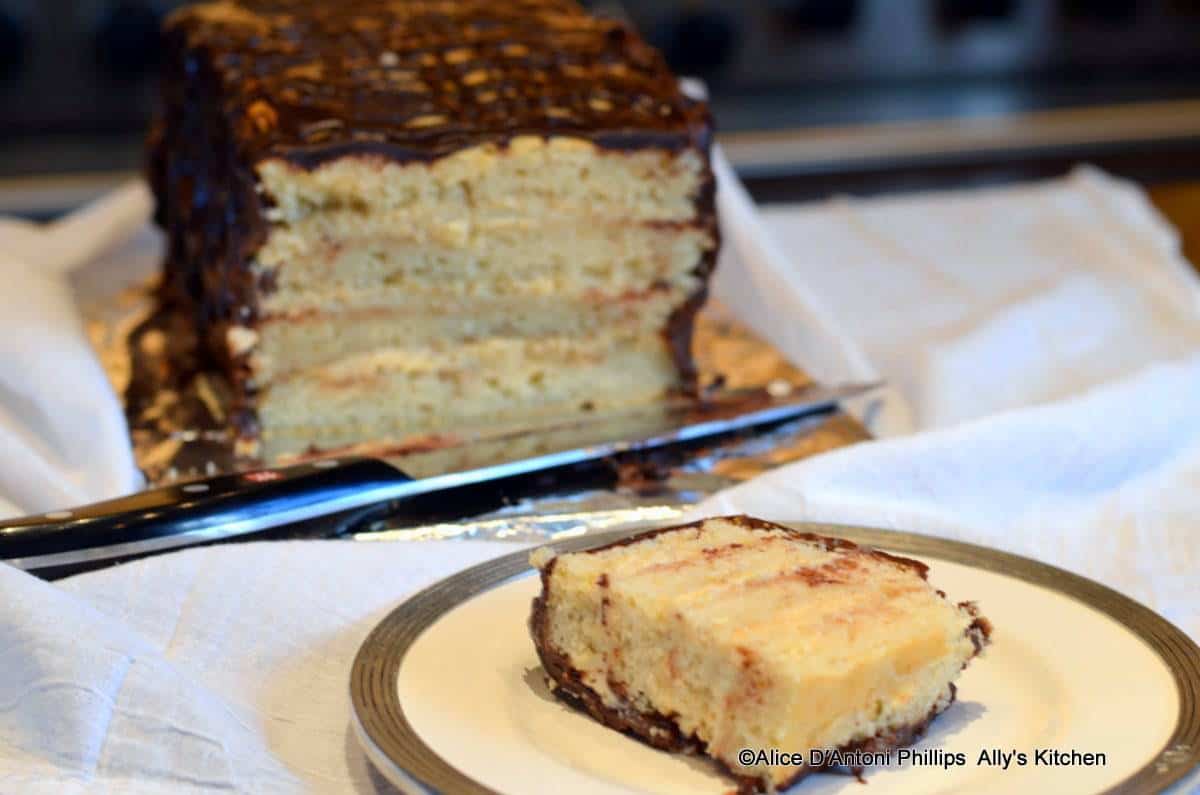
(709, 550)
(740, 581)
(422, 78)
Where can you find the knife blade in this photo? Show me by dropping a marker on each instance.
(233, 506)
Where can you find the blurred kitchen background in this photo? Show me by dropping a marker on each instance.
(811, 96)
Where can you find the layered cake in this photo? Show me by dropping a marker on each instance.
(395, 218)
(735, 633)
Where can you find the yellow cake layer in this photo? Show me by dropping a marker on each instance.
(493, 383)
(527, 255)
(469, 447)
(500, 285)
(751, 638)
(530, 176)
(282, 345)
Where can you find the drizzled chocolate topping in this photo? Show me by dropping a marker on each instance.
(311, 80)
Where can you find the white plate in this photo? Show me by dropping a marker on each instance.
(449, 695)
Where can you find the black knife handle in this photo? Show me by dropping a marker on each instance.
(221, 507)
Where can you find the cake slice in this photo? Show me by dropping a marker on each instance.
(402, 218)
(735, 633)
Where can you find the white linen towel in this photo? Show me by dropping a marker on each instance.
(973, 302)
(63, 438)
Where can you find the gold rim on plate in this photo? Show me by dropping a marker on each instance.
(393, 746)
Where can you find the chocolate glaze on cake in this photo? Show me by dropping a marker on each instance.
(314, 81)
(309, 82)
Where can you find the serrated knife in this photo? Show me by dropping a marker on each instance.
(233, 506)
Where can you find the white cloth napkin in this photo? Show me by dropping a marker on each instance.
(63, 438)
(225, 668)
(974, 302)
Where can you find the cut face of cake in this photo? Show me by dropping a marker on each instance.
(736, 633)
(402, 218)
